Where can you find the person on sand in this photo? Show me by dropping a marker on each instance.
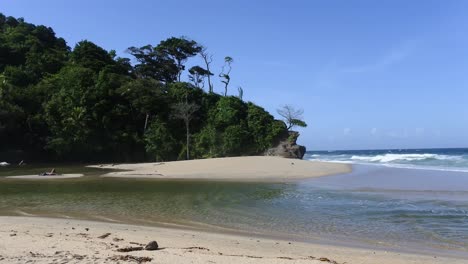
(50, 173)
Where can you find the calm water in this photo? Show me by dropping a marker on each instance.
(373, 205)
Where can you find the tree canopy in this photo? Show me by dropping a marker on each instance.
(86, 104)
(292, 116)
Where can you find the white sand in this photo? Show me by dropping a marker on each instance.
(255, 168)
(49, 177)
(48, 240)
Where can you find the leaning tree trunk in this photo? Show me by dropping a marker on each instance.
(146, 122)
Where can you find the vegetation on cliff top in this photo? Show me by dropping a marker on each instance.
(87, 104)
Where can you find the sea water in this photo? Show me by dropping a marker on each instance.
(454, 159)
(413, 209)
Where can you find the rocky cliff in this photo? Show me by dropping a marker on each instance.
(287, 147)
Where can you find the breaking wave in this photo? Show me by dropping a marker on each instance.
(440, 159)
(405, 157)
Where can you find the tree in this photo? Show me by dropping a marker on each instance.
(197, 76)
(208, 59)
(90, 55)
(185, 111)
(259, 124)
(291, 116)
(154, 64)
(146, 97)
(159, 141)
(241, 92)
(86, 104)
(179, 50)
(68, 113)
(226, 78)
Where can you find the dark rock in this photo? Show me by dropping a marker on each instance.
(153, 245)
(129, 249)
(200, 248)
(287, 147)
(104, 235)
(129, 258)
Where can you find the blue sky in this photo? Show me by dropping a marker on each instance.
(368, 74)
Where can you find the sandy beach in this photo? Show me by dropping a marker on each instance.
(256, 168)
(50, 240)
(46, 177)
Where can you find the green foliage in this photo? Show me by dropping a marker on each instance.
(298, 122)
(152, 64)
(145, 95)
(68, 111)
(207, 143)
(87, 104)
(159, 142)
(30, 51)
(292, 116)
(234, 140)
(197, 76)
(228, 110)
(263, 129)
(91, 56)
(178, 50)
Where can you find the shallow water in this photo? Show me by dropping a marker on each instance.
(400, 208)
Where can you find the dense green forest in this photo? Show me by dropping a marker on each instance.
(86, 104)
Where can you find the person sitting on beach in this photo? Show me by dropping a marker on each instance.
(50, 173)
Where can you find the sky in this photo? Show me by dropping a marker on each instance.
(368, 74)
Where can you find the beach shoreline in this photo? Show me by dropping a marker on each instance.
(251, 168)
(74, 239)
(47, 240)
(46, 177)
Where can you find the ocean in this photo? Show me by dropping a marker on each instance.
(452, 159)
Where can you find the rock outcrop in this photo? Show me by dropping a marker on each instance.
(287, 147)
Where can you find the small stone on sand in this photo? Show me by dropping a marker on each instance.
(153, 245)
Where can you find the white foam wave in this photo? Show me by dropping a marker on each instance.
(408, 166)
(398, 166)
(333, 161)
(386, 158)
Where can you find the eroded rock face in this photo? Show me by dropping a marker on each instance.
(287, 147)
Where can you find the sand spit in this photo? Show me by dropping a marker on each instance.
(255, 168)
(48, 177)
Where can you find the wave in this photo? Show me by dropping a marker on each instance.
(386, 158)
(444, 161)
